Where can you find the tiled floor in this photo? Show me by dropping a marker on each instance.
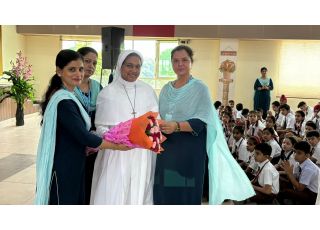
(18, 148)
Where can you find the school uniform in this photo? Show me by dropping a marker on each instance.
(234, 113)
(276, 151)
(299, 128)
(316, 120)
(287, 156)
(239, 114)
(288, 121)
(279, 117)
(307, 174)
(315, 153)
(255, 128)
(239, 150)
(309, 113)
(267, 175)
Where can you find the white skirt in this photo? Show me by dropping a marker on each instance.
(123, 177)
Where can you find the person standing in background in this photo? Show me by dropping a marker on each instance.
(262, 86)
(87, 93)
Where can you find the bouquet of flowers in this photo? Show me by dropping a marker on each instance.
(140, 132)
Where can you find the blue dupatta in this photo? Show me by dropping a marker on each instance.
(47, 142)
(89, 103)
(226, 178)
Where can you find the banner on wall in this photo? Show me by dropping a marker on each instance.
(228, 65)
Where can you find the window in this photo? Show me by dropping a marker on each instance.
(298, 72)
(156, 69)
(99, 74)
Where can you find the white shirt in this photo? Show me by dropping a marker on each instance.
(253, 164)
(317, 122)
(276, 149)
(290, 120)
(279, 120)
(239, 115)
(309, 175)
(309, 114)
(316, 153)
(269, 176)
(240, 149)
(254, 129)
(291, 159)
(300, 131)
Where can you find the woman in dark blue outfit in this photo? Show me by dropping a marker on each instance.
(262, 87)
(180, 168)
(193, 129)
(64, 137)
(87, 94)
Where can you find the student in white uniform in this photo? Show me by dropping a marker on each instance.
(266, 182)
(316, 116)
(252, 166)
(314, 141)
(227, 128)
(256, 126)
(289, 119)
(308, 111)
(239, 149)
(234, 111)
(271, 123)
(304, 182)
(277, 114)
(300, 124)
(310, 126)
(287, 153)
(268, 137)
(239, 117)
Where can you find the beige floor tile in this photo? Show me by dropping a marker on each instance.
(16, 193)
(26, 176)
(30, 201)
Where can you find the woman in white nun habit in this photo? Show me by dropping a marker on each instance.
(124, 177)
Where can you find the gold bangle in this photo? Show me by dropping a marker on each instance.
(178, 127)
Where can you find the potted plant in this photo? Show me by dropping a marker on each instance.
(21, 89)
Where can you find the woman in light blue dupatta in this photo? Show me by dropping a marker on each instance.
(193, 129)
(87, 93)
(262, 87)
(64, 135)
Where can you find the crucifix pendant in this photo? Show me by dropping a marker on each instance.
(134, 113)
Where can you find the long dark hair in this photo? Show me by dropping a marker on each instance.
(63, 58)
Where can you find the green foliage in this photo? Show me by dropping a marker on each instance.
(21, 89)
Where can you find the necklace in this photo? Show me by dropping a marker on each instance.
(134, 101)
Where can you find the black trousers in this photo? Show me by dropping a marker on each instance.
(305, 197)
(89, 173)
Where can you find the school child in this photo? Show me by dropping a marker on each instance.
(300, 124)
(303, 180)
(266, 182)
(268, 137)
(255, 126)
(271, 123)
(239, 150)
(314, 141)
(252, 166)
